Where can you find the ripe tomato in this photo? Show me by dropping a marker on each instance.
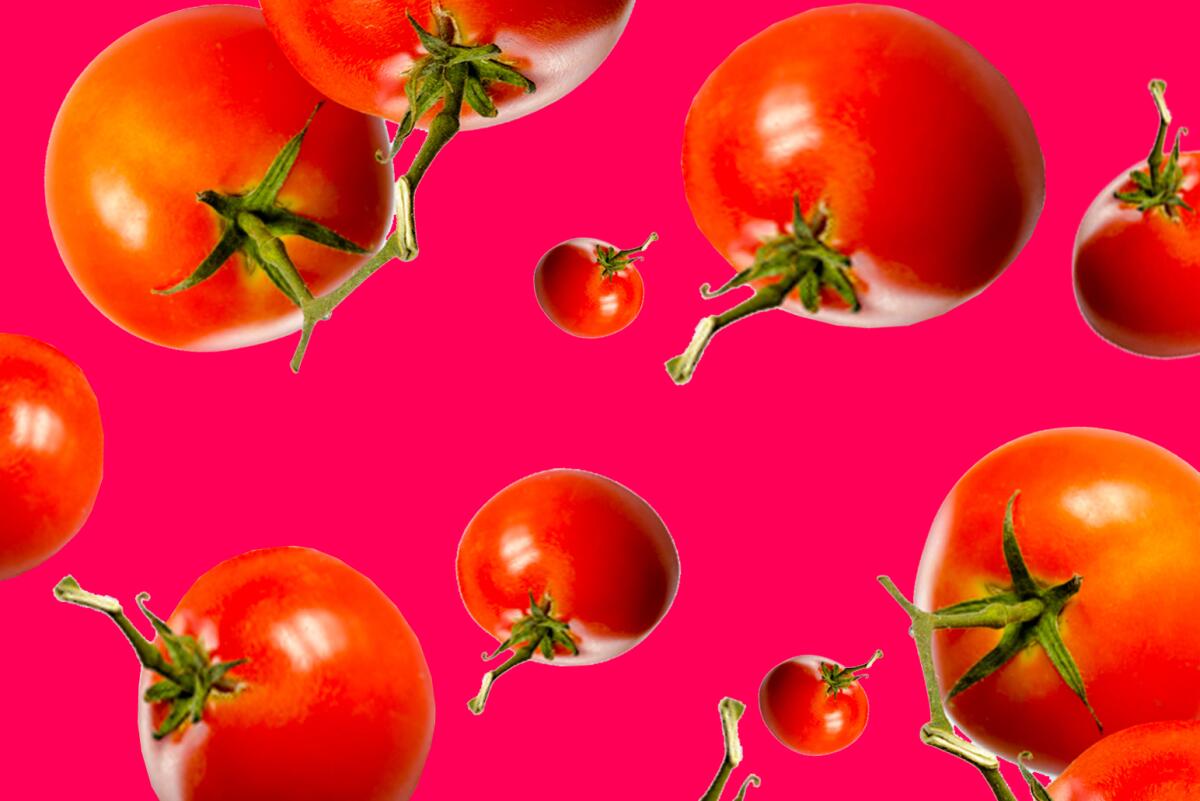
(861, 165)
(1137, 254)
(589, 288)
(312, 685)
(202, 100)
(566, 566)
(814, 706)
(51, 452)
(1152, 762)
(1122, 513)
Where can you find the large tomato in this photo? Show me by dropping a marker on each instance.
(203, 100)
(300, 680)
(1123, 514)
(51, 452)
(566, 567)
(862, 165)
(1152, 762)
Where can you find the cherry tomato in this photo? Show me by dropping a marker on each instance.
(589, 288)
(310, 685)
(201, 100)
(51, 452)
(1137, 254)
(1152, 762)
(815, 706)
(861, 165)
(567, 567)
(1123, 514)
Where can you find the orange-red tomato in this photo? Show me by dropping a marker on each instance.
(202, 99)
(1122, 513)
(1152, 762)
(358, 52)
(813, 705)
(51, 452)
(582, 295)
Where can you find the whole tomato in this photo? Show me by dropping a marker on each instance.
(567, 567)
(815, 706)
(1106, 543)
(1137, 253)
(1152, 762)
(283, 673)
(861, 165)
(51, 452)
(202, 102)
(589, 288)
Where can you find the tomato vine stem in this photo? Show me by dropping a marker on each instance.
(1158, 187)
(731, 712)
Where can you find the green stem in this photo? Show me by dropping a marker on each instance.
(520, 656)
(731, 712)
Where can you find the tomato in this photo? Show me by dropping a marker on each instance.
(1137, 253)
(567, 567)
(51, 452)
(1123, 514)
(202, 101)
(589, 288)
(1152, 762)
(313, 686)
(860, 165)
(814, 706)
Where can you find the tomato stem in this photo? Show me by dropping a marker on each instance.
(1160, 185)
(612, 261)
(731, 712)
(520, 655)
(837, 677)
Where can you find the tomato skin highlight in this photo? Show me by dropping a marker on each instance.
(357, 51)
(337, 701)
(597, 548)
(51, 452)
(833, 105)
(1119, 511)
(202, 99)
(1152, 762)
(576, 295)
(799, 711)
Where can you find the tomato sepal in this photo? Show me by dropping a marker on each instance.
(1159, 185)
(612, 261)
(838, 678)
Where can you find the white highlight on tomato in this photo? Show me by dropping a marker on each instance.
(518, 550)
(35, 427)
(786, 123)
(309, 637)
(121, 210)
(1105, 502)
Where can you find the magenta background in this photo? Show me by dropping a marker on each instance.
(802, 461)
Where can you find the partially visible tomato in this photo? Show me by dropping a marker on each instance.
(567, 567)
(815, 706)
(51, 452)
(1119, 512)
(1152, 762)
(312, 686)
(589, 288)
(203, 100)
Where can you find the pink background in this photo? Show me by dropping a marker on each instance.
(801, 462)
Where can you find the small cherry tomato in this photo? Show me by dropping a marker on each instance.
(815, 706)
(51, 452)
(589, 288)
(1152, 762)
(1137, 253)
(567, 567)
(283, 673)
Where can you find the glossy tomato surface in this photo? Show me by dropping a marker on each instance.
(922, 153)
(579, 298)
(1152, 762)
(1119, 511)
(1137, 274)
(51, 452)
(798, 708)
(197, 100)
(335, 701)
(358, 51)
(600, 551)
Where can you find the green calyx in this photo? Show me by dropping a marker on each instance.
(1159, 185)
(838, 678)
(731, 711)
(612, 261)
(188, 679)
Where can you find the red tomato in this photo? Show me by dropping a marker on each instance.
(596, 560)
(333, 700)
(200, 100)
(814, 706)
(915, 168)
(51, 452)
(1137, 254)
(1122, 513)
(1153, 762)
(589, 288)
